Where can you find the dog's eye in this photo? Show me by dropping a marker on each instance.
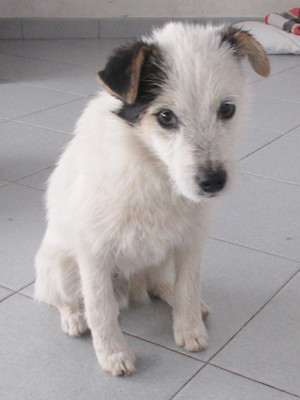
(226, 111)
(167, 119)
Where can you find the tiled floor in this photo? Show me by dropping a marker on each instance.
(251, 263)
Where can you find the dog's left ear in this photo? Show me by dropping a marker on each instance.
(121, 74)
(245, 45)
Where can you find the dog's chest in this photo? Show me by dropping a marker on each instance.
(145, 233)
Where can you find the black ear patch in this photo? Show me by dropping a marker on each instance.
(122, 71)
(228, 35)
(135, 74)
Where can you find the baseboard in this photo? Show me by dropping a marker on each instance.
(86, 28)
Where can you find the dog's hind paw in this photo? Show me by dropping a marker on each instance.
(205, 309)
(73, 322)
(118, 364)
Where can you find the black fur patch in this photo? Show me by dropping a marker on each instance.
(117, 72)
(151, 79)
(229, 36)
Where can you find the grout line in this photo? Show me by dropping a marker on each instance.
(25, 295)
(267, 144)
(38, 58)
(99, 29)
(32, 173)
(16, 119)
(24, 287)
(253, 380)
(57, 131)
(277, 98)
(187, 382)
(54, 89)
(80, 95)
(164, 347)
(29, 187)
(22, 28)
(254, 315)
(21, 288)
(270, 178)
(288, 69)
(5, 184)
(13, 292)
(257, 250)
(8, 296)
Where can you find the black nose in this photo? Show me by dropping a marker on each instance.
(211, 181)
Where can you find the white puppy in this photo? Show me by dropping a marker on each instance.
(131, 197)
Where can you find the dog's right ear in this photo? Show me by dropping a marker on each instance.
(121, 74)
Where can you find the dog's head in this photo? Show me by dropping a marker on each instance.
(182, 90)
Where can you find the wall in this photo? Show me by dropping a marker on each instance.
(141, 8)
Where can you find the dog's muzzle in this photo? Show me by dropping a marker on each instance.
(211, 181)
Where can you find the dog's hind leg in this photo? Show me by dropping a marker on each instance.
(160, 283)
(139, 287)
(160, 280)
(58, 284)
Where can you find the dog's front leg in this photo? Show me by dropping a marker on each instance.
(189, 329)
(102, 311)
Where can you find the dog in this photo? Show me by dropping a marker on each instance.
(130, 201)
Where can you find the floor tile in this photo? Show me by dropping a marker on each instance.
(280, 160)
(27, 149)
(22, 69)
(262, 214)
(53, 365)
(75, 52)
(28, 291)
(3, 182)
(236, 283)
(21, 100)
(68, 78)
(274, 114)
(4, 293)
(13, 47)
(268, 348)
(21, 231)
(253, 139)
(60, 118)
(280, 63)
(215, 384)
(291, 73)
(37, 180)
(114, 27)
(278, 87)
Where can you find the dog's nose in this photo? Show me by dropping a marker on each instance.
(211, 181)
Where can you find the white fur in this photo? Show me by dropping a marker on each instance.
(124, 209)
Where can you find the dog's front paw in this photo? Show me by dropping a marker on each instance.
(117, 364)
(191, 338)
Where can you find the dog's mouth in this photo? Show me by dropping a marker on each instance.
(209, 195)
